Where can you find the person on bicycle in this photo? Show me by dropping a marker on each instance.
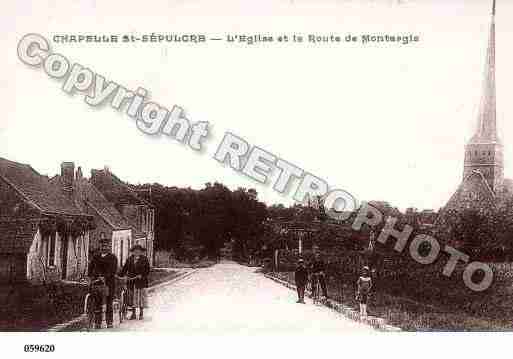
(301, 277)
(364, 286)
(319, 274)
(104, 267)
(137, 269)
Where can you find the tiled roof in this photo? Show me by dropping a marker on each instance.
(115, 190)
(102, 207)
(37, 189)
(16, 236)
(92, 201)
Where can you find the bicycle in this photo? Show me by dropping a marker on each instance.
(123, 298)
(92, 299)
(316, 288)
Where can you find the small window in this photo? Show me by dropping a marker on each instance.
(121, 254)
(79, 247)
(50, 250)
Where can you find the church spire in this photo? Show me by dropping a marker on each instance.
(487, 125)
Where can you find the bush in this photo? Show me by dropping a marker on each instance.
(27, 307)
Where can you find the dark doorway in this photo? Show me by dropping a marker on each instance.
(64, 256)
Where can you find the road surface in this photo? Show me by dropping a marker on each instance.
(232, 298)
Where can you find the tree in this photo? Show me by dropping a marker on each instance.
(249, 215)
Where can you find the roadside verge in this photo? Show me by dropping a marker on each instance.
(375, 322)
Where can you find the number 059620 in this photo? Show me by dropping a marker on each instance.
(39, 348)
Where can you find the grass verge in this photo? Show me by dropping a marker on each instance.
(411, 315)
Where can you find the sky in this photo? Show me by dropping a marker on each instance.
(381, 121)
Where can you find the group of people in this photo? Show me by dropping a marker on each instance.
(315, 273)
(103, 271)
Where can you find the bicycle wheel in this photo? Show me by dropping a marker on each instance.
(317, 296)
(89, 311)
(314, 292)
(122, 306)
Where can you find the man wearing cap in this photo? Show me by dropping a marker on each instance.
(137, 269)
(104, 266)
(301, 277)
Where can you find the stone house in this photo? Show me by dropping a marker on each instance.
(110, 223)
(44, 235)
(139, 212)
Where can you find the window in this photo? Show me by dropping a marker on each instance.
(50, 250)
(121, 254)
(79, 247)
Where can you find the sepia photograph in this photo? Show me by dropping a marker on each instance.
(294, 174)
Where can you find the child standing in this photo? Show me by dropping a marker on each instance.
(364, 286)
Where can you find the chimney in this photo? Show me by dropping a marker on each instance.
(67, 176)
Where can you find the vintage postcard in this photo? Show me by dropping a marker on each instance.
(292, 167)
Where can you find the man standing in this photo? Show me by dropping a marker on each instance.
(301, 277)
(104, 266)
(318, 273)
(137, 269)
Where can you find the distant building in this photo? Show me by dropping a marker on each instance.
(139, 213)
(110, 223)
(483, 186)
(44, 235)
(427, 217)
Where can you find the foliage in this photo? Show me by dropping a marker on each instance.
(484, 235)
(197, 223)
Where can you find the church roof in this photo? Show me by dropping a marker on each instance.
(486, 130)
(473, 192)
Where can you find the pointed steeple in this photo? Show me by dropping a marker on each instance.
(484, 153)
(486, 124)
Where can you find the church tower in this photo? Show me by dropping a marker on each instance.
(483, 152)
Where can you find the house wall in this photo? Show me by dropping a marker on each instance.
(124, 236)
(95, 236)
(121, 243)
(142, 218)
(12, 267)
(37, 267)
(78, 254)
